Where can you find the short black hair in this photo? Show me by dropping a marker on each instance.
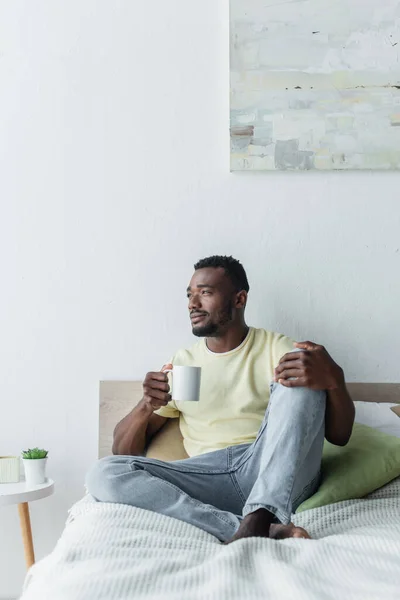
(232, 267)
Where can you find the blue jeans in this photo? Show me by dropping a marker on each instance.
(214, 491)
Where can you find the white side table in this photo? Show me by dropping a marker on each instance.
(21, 494)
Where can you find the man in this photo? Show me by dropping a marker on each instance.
(255, 438)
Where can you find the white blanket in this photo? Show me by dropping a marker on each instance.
(111, 551)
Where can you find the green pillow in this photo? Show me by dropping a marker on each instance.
(370, 460)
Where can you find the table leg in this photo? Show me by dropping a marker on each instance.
(26, 531)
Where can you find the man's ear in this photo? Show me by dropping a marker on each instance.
(241, 299)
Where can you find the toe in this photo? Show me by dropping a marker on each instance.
(299, 532)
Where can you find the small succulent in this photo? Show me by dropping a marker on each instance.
(35, 453)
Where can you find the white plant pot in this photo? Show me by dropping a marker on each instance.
(35, 470)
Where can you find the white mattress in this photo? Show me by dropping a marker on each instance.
(112, 551)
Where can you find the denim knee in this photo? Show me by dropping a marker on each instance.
(99, 478)
(297, 400)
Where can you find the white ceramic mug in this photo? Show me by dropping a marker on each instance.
(185, 383)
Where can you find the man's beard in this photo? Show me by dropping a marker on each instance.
(215, 329)
(210, 330)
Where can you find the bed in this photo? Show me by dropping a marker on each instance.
(118, 552)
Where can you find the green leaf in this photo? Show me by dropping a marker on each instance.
(34, 453)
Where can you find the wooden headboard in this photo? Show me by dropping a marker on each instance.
(117, 398)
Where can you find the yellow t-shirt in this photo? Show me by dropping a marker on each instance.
(234, 391)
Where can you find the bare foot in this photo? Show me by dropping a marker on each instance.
(282, 532)
(258, 524)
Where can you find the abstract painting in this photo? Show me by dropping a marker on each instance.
(315, 84)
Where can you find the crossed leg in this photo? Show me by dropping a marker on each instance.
(237, 491)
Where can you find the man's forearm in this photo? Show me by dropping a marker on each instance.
(339, 417)
(130, 433)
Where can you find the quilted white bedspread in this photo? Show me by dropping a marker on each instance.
(119, 552)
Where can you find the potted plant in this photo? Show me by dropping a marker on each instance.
(35, 465)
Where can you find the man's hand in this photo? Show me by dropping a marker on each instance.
(313, 368)
(156, 389)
